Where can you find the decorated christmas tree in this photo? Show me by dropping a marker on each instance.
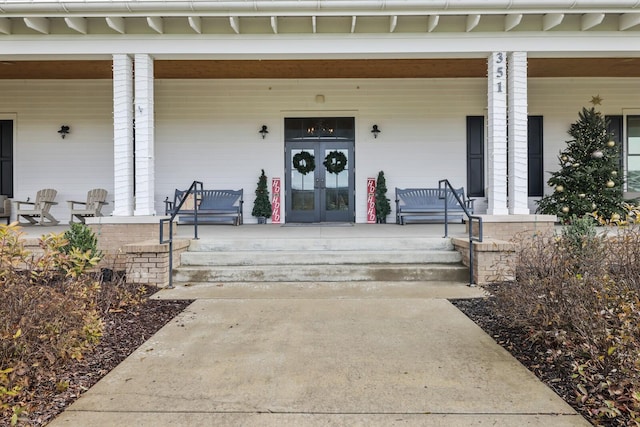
(589, 180)
(262, 204)
(383, 208)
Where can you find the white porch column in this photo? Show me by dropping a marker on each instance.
(497, 134)
(144, 131)
(123, 135)
(518, 134)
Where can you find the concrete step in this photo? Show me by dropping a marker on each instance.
(322, 272)
(321, 290)
(321, 244)
(318, 257)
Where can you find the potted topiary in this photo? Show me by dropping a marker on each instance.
(383, 208)
(262, 204)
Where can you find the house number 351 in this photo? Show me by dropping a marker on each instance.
(499, 69)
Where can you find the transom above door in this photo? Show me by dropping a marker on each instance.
(320, 169)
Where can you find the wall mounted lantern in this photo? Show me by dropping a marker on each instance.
(64, 130)
(263, 131)
(375, 131)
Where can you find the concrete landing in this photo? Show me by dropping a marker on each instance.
(311, 362)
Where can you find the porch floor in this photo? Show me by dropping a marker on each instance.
(291, 231)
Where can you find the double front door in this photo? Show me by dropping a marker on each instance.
(320, 174)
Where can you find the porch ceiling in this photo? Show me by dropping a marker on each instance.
(297, 69)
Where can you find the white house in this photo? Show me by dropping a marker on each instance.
(157, 94)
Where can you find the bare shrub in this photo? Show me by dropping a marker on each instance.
(51, 313)
(578, 294)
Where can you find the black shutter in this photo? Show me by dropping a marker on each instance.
(534, 157)
(475, 156)
(614, 127)
(6, 157)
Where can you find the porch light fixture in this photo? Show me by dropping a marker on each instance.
(375, 131)
(263, 131)
(64, 130)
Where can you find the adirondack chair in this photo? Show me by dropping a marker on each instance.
(5, 208)
(92, 207)
(38, 212)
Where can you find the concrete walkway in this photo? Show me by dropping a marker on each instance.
(352, 355)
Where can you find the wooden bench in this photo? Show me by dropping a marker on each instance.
(214, 206)
(425, 204)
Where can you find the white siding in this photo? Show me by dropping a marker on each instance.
(42, 159)
(208, 129)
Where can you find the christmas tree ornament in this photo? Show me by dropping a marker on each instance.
(565, 209)
(559, 188)
(582, 195)
(593, 206)
(597, 154)
(614, 173)
(611, 143)
(610, 184)
(615, 217)
(575, 165)
(564, 158)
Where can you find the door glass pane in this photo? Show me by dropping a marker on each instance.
(336, 179)
(633, 132)
(302, 179)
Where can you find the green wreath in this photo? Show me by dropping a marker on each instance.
(304, 162)
(335, 162)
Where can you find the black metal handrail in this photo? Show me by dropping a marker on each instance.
(173, 210)
(443, 195)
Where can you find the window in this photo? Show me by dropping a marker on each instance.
(633, 153)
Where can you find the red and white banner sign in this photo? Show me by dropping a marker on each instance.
(275, 200)
(371, 200)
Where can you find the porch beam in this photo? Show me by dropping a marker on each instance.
(551, 20)
(40, 25)
(195, 22)
(517, 133)
(123, 135)
(590, 20)
(472, 22)
(116, 23)
(628, 20)
(497, 134)
(432, 22)
(77, 24)
(144, 135)
(156, 24)
(5, 25)
(512, 21)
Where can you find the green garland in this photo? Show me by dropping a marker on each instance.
(335, 162)
(304, 162)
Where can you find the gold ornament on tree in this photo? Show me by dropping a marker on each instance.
(559, 188)
(610, 184)
(611, 143)
(565, 209)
